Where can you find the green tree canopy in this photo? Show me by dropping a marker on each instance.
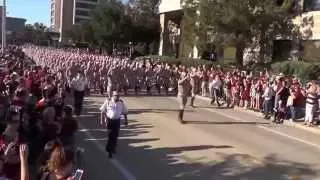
(35, 33)
(110, 24)
(144, 16)
(244, 22)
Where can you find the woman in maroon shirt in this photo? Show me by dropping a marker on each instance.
(259, 91)
(204, 82)
(17, 104)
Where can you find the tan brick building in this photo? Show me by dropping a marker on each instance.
(66, 13)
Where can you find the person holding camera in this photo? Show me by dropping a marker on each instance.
(311, 102)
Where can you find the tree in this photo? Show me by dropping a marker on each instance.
(245, 23)
(75, 33)
(35, 33)
(110, 24)
(145, 20)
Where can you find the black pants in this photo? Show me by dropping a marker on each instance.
(101, 89)
(113, 133)
(78, 101)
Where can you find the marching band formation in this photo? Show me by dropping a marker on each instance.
(33, 110)
(263, 92)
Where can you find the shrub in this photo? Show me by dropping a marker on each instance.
(184, 61)
(305, 71)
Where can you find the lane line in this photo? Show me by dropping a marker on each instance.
(265, 128)
(91, 130)
(96, 139)
(289, 136)
(224, 114)
(121, 168)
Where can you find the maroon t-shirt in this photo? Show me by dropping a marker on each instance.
(28, 83)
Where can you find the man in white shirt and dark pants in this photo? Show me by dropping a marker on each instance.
(111, 111)
(79, 85)
(215, 87)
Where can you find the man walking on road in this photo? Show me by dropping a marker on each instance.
(183, 92)
(111, 112)
(79, 85)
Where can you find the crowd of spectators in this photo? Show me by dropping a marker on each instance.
(276, 96)
(34, 114)
(36, 126)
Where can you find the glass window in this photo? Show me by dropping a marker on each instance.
(82, 13)
(311, 5)
(80, 20)
(85, 5)
(93, 0)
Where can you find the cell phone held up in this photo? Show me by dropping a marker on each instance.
(78, 174)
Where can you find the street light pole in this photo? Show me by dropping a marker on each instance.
(4, 32)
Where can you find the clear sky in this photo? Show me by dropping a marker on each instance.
(32, 10)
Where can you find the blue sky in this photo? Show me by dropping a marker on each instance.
(32, 10)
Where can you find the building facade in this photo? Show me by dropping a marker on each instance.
(14, 27)
(309, 23)
(66, 13)
(171, 21)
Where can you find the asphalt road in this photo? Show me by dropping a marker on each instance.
(217, 144)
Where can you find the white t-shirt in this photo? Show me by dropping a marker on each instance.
(79, 84)
(113, 109)
(216, 84)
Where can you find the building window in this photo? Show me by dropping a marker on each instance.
(80, 20)
(311, 5)
(82, 13)
(85, 6)
(92, 0)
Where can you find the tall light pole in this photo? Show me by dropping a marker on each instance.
(4, 31)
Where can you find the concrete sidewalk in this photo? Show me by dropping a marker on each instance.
(297, 124)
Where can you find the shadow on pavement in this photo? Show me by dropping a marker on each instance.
(147, 161)
(225, 123)
(140, 111)
(214, 107)
(132, 94)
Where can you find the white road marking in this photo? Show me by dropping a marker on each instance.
(96, 139)
(91, 130)
(288, 136)
(266, 129)
(224, 114)
(122, 169)
(86, 115)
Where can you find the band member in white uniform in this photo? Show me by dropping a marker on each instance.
(111, 111)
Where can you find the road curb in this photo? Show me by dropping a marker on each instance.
(314, 130)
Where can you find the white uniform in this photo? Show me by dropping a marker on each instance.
(114, 109)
